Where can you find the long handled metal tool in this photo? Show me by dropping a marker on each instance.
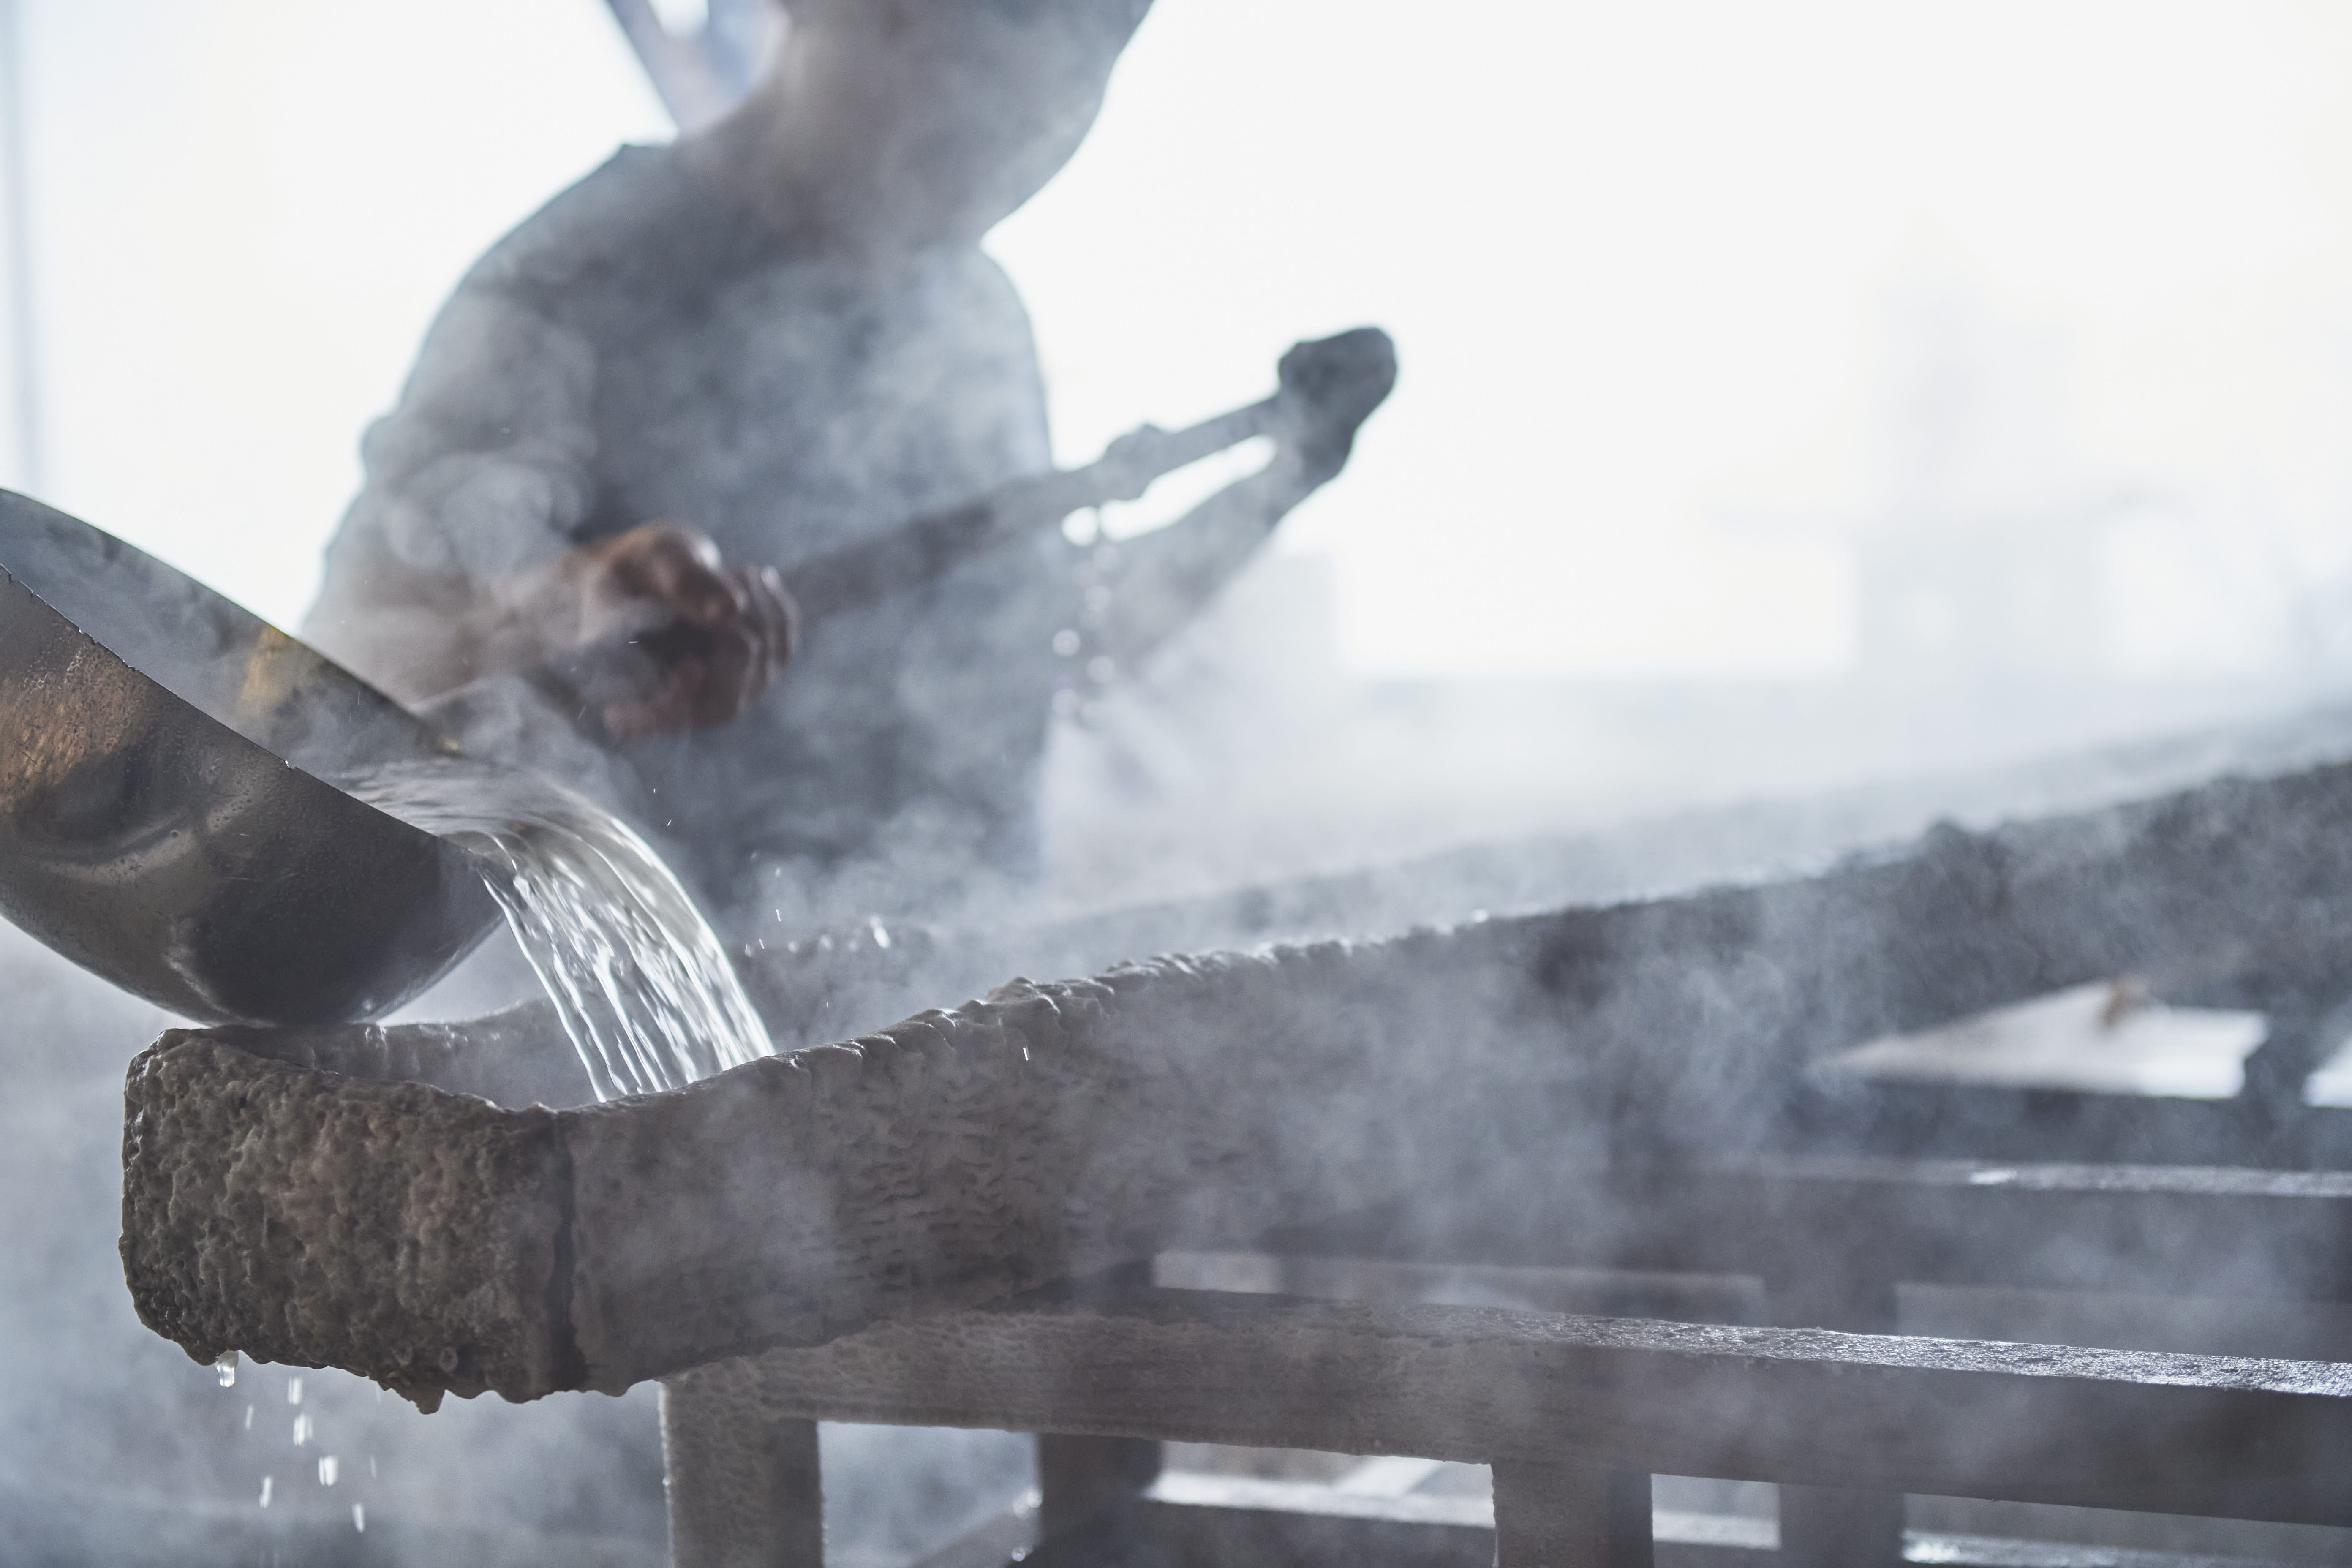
(1326, 389)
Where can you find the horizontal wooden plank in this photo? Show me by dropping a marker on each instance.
(1190, 1535)
(1195, 1489)
(1216, 1521)
(2152, 1229)
(2173, 1433)
(1959, 1120)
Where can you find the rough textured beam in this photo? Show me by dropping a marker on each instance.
(415, 1235)
(2236, 893)
(1051, 1130)
(516, 1058)
(2214, 1435)
(286, 1211)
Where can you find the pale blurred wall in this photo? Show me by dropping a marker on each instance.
(246, 211)
(1653, 269)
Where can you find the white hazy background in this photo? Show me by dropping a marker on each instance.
(1653, 269)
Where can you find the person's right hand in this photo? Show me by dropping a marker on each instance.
(716, 636)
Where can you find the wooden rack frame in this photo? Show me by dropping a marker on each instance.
(865, 1216)
(1576, 1413)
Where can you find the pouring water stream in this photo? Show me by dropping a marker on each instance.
(643, 989)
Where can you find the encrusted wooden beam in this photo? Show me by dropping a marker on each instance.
(436, 1242)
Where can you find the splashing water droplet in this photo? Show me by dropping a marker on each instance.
(641, 984)
(225, 1365)
(329, 1468)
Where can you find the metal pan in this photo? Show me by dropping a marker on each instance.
(165, 820)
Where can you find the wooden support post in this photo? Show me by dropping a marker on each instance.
(1080, 1479)
(1833, 1527)
(1560, 1516)
(1828, 1527)
(745, 1489)
(2301, 1034)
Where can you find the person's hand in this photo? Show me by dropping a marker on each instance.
(710, 636)
(1131, 462)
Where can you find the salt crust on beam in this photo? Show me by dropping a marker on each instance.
(440, 1243)
(436, 1242)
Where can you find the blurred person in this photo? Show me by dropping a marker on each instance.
(771, 338)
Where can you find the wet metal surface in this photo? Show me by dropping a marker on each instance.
(165, 818)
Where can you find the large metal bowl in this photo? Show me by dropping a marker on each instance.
(165, 818)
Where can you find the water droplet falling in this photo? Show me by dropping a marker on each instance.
(267, 1482)
(293, 1391)
(359, 1518)
(329, 1468)
(225, 1365)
